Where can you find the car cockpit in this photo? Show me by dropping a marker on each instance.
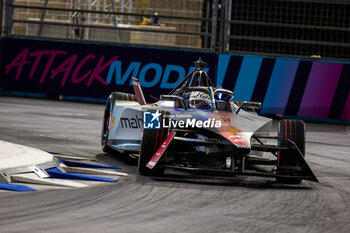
(196, 91)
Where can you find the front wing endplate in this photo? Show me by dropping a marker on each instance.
(156, 157)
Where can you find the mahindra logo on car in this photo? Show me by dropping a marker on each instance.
(134, 123)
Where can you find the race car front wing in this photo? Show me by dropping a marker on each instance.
(247, 163)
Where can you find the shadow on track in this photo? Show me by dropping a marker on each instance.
(236, 181)
(129, 164)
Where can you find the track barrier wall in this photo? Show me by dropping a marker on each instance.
(301, 88)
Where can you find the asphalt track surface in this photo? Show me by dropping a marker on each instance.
(177, 202)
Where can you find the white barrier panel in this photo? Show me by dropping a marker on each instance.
(14, 155)
(34, 179)
(92, 171)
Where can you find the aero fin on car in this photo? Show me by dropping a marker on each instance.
(155, 158)
(16, 187)
(89, 165)
(56, 173)
(138, 91)
(305, 168)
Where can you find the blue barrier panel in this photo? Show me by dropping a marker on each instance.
(297, 88)
(246, 80)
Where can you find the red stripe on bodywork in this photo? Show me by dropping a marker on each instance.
(156, 157)
(237, 138)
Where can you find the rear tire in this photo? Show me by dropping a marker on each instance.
(151, 141)
(287, 164)
(108, 117)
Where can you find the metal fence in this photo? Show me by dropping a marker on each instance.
(110, 21)
(304, 28)
(299, 28)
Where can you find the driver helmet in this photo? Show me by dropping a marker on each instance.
(199, 100)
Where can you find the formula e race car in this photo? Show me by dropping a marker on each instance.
(199, 128)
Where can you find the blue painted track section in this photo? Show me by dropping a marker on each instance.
(88, 165)
(16, 187)
(56, 173)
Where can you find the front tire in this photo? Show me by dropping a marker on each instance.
(287, 164)
(106, 126)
